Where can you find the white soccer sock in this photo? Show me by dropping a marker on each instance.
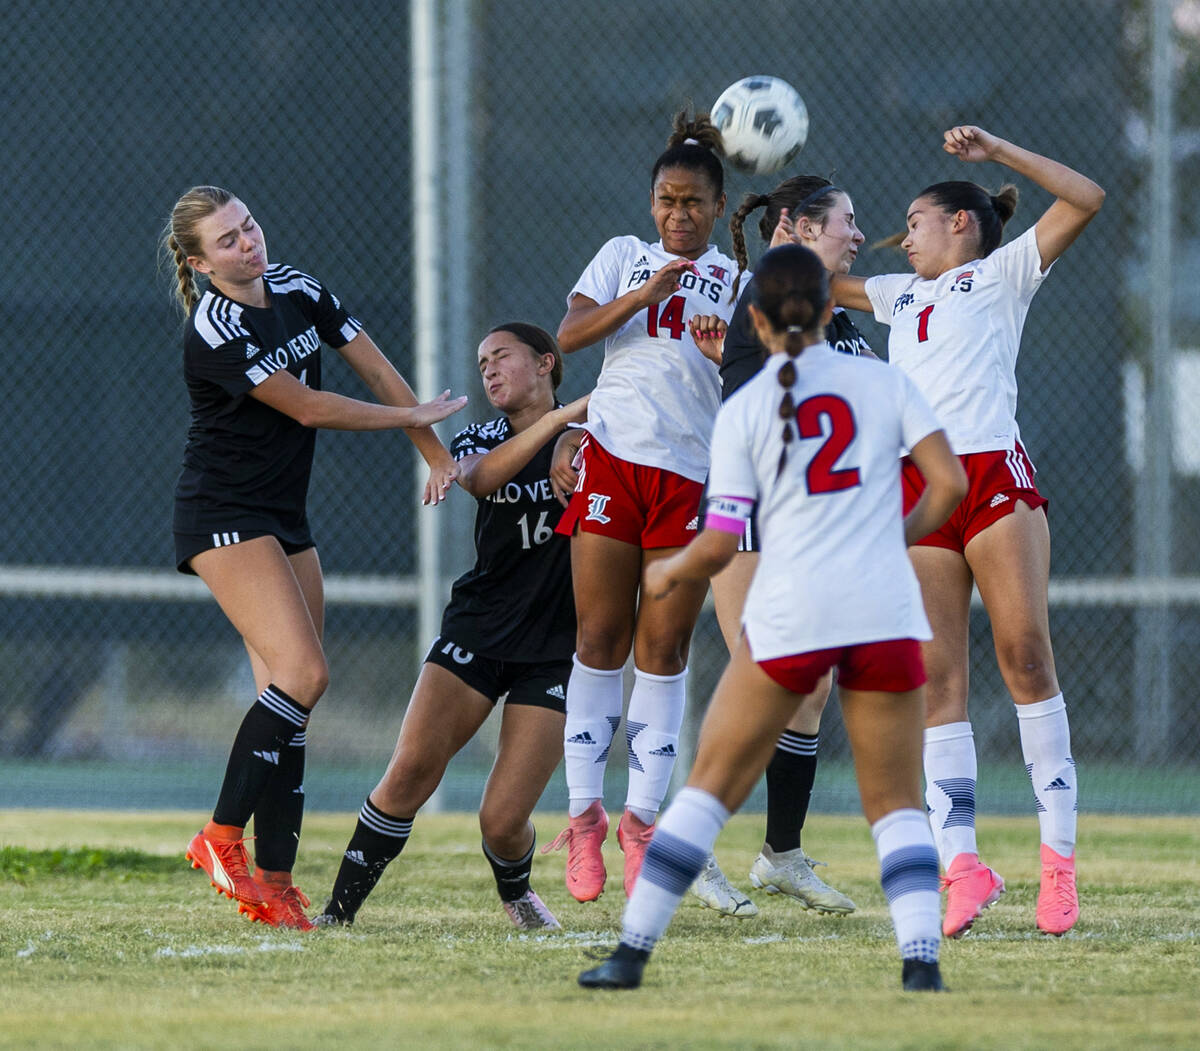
(1046, 746)
(908, 866)
(593, 714)
(950, 772)
(652, 733)
(677, 852)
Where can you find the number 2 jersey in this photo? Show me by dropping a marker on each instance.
(958, 336)
(516, 603)
(657, 395)
(834, 569)
(245, 464)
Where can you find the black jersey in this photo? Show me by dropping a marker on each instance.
(247, 465)
(743, 355)
(516, 603)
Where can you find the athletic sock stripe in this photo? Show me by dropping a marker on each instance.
(797, 744)
(300, 740)
(377, 821)
(672, 863)
(909, 869)
(282, 705)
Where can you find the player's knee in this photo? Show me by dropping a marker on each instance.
(410, 780)
(662, 654)
(1027, 666)
(602, 647)
(503, 830)
(305, 679)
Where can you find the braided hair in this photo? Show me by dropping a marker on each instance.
(180, 238)
(809, 195)
(791, 291)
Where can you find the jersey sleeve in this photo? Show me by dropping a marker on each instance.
(1019, 264)
(882, 291)
(237, 366)
(479, 438)
(335, 325)
(601, 281)
(731, 474)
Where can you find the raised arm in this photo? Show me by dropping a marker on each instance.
(587, 322)
(484, 473)
(1078, 199)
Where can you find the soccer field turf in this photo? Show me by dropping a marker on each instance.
(122, 945)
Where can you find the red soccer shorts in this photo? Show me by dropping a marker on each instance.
(893, 666)
(644, 506)
(995, 482)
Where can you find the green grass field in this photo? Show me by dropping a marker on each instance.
(110, 940)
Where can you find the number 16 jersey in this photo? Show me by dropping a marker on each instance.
(516, 603)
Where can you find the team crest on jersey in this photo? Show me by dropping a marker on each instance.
(721, 273)
(596, 504)
(963, 281)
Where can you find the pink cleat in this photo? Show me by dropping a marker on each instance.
(1058, 900)
(633, 837)
(583, 838)
(970, 888)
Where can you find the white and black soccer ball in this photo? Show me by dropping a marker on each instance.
(763, 123)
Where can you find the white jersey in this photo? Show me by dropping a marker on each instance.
(834, 569)
(657, 395)
(958, 335)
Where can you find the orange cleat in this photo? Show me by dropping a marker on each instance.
(285, 902)
(633, 837)
(228, 869)
(583, 838)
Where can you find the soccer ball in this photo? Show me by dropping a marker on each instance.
(763, 122)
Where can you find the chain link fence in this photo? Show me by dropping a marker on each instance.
(124, 683)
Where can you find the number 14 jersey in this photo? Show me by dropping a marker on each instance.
(516, 603)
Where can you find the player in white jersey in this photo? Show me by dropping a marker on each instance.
(956, 329)
(644, 460)
(834, 590)
(812, 211)
(252, 362)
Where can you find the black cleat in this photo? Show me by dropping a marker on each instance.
(622, 970)
(919, 976)
(329, 917)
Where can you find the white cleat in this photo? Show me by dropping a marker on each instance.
(791, 872)
(716, 892)
(529, 913)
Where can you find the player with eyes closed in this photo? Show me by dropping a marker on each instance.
(252, 364)
(659, 309)
(507, 633)
(956, 330)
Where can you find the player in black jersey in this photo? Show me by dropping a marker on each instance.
(252, 363)
(810, 211)
(508, 631)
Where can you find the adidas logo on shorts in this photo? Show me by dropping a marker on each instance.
(694, 524)
(667, 751)
(582, 738)
(998, 499)
(557, 691)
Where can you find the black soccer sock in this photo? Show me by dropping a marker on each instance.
(790, 776)
(269, 725)
(512, 877)
(378, 838)
(280, 810)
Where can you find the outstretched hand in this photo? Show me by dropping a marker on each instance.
(430, 412)
(708, 331)
(970, 143)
